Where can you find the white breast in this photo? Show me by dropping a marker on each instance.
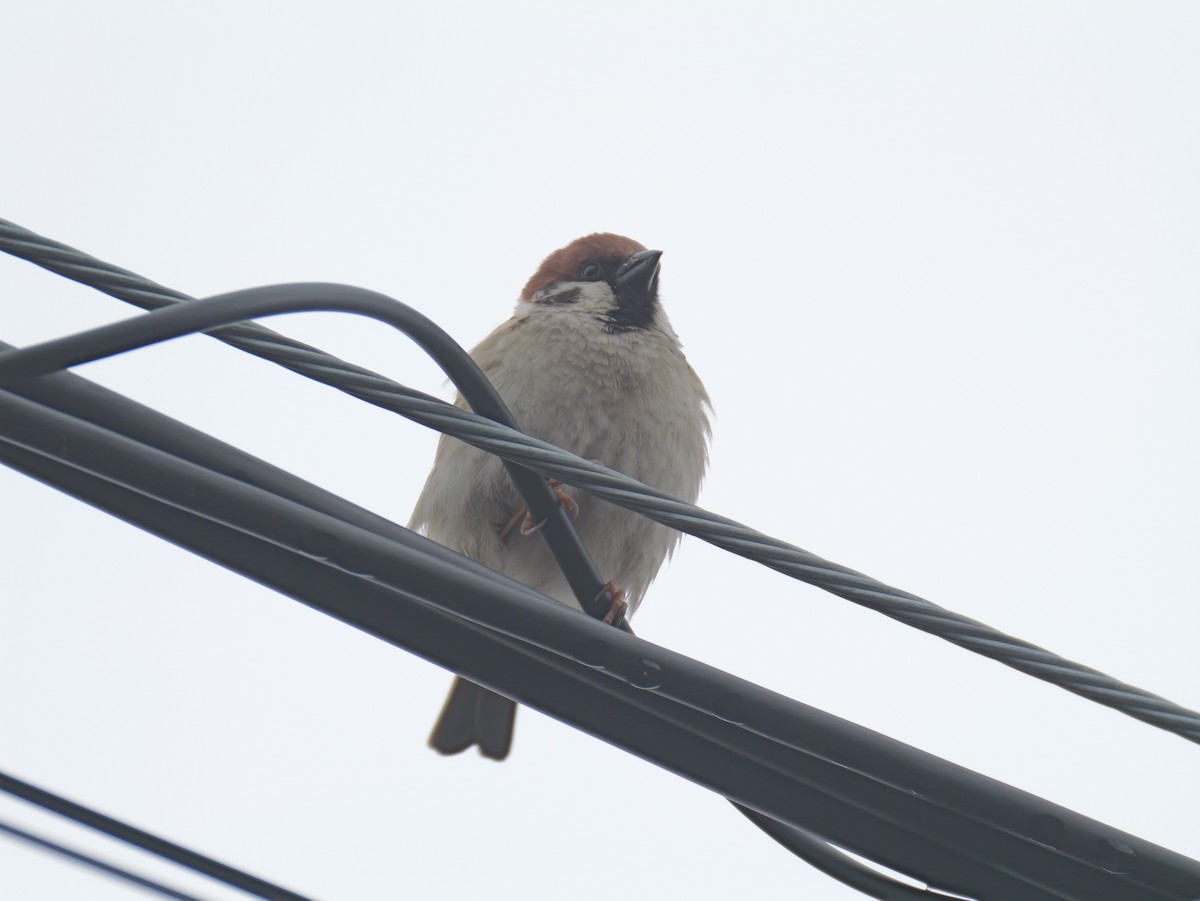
(628, 400)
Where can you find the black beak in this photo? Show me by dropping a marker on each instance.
(637, 279)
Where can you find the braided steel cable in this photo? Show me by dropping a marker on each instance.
(516, 447)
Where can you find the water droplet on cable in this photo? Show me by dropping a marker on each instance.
(731, 707)
(316, 543)
(1117, 856)
(918, 785)
(353, 562)
(644, 673)
(1047, 830)
(594, 652)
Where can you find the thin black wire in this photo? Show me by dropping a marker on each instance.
(110, 869)
(185, 857)
(516, 447)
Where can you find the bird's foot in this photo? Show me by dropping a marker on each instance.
(565, 499)
(619, 605)
(529, 526)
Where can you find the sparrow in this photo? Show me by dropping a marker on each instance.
(588, 362)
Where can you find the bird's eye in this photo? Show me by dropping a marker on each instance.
(590, 271)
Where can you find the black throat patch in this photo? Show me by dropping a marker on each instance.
(632, 312)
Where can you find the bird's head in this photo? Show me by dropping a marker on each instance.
(607, 276)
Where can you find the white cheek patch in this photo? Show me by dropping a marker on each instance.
(590, 296)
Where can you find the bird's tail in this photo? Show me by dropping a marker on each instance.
(474, 715)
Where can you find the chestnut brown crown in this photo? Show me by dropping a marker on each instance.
(565, 263)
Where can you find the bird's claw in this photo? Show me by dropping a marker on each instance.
(619, 605)
(529, 527)
(565, 499)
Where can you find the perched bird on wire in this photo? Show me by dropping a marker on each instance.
(588, 362)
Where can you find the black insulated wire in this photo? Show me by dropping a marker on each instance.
(889, 802)
(964, 829)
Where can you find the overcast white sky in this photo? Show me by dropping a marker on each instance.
(936, 262)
